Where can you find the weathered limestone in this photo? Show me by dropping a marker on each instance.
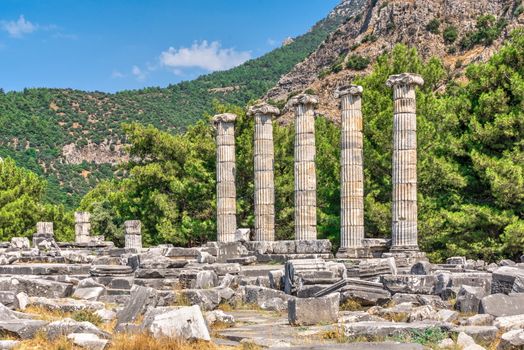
(44, 237)
(352, 172)
(133, 234)
(264, 155)
(312, 311)
(404, 222)
(305, 171)
(82, 227)
(225, 167)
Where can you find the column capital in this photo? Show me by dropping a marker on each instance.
(302, 99)
(224, 118)
(354, 90)
(405, 79)
(263, 108)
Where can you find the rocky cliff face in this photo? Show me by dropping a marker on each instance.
(380, 25)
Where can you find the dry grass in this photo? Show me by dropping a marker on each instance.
(182, 299)
(351, 305)
(144, 341)
(40, 342)
(396, 316)
(46, 314)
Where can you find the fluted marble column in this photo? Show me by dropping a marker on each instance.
(352, 172)
(264, 155)
(225, 167)
(305, 172)
(404, 208)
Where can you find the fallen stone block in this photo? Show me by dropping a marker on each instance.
(207, 299)
(518, 284)
(311, 311)
(219, 316)
(372, 269)
(469, 298)
(502, 304)
(276, 279)
(385, 329)
(205, 258)
(456, 260)
(20, 243)
(422, 268)
(242, 235)
(88, 341)
(479, 320)
(414, 284)
(141, 299)
(9, 344)
(67, 326)
(484, 334)
(184, 323)
(230, 250)
(512, 340)
(454, 281)
(509, 322)
(504, 279)
(7, 298)
(89, 293)
(23, 329)
(423, 313)
(41, 287)
(206, 279)
(265, 298)
(222, 269)
(65, 304)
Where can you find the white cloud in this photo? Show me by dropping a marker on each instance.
(138, 73)
(271, 42)
(116, 75)
(204, 55)
(19, 28)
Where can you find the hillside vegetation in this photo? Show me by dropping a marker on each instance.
(36, 124)
(471, 165)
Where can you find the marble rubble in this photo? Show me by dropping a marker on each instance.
(374, 289)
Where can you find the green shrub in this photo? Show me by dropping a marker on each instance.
(433, 26)
(357, 62)
(488, 29)
(87, 315)
(370, 38)
(450, 34)
(519, 10)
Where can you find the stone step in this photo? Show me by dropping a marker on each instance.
(44, 269)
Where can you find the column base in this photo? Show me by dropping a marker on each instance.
(406, 256)
(404, 249)
(354, 253)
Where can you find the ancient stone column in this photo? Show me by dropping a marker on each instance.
(404, 208)
(82, 227)
(305, 176)
(352, 171)
(44, 228)
(44, 232)
(264, 157)
(133, 234)
(225, 167)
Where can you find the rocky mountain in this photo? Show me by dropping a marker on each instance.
(458, 31)
(74, 138)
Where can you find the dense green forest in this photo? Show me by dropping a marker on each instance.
(471, 165)
(36, 124)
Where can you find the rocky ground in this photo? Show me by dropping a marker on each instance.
(252, 295)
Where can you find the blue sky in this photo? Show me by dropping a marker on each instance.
(113, 45)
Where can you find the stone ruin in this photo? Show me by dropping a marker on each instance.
(383, 291)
